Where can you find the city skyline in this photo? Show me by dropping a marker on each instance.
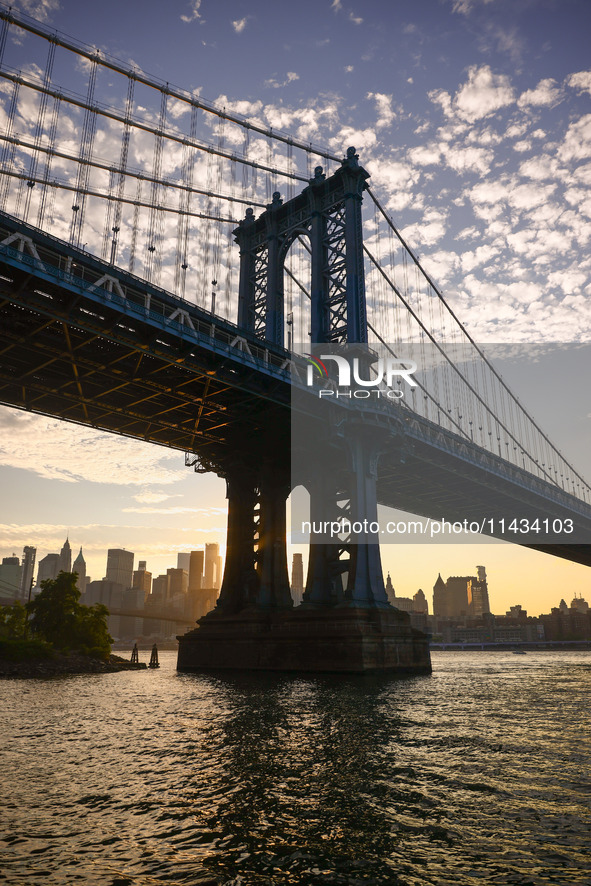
(502, 598)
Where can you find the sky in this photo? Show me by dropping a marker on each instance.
(473, 118)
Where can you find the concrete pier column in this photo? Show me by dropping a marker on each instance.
(365, 585)
(324, 583)
(274, 591)
(241, 583)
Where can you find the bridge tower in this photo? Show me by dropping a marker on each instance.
(340, 625)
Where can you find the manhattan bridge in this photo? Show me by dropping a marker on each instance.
(166, 265)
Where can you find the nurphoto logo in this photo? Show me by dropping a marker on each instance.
(385, 373)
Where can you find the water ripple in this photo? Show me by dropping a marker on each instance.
(475, 775)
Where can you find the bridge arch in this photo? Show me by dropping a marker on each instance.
(328, 211)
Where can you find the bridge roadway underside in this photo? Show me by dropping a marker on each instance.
(65, 355)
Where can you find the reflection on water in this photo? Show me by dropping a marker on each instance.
(476, 774)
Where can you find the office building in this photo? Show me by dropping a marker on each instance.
(65, 561)
(28, 570)
(11, 576)
(120, 567)
(142, 579)
(183, 560)
(196, 560)
(461, 595)
(212, 553)
(80, 568)
(178, 582)
(160, 588)
(48, 567)
(420, 602)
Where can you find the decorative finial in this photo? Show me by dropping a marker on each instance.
(352, 158)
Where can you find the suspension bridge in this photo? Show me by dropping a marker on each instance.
(127, 306)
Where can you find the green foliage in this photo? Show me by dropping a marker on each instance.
(58, 618)
(13, 621)
(17, 649)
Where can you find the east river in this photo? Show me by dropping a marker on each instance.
(480, 773)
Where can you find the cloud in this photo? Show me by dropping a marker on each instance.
(39, 9)
(581, 81)
(276, 84)
(483, 94)
(152, 498)
(195, 14)
(577, 141)
(546, 93)
(384, 107)
(337, 6)
(35, 443)
(240, 24)
(175, 509)
(465, 7)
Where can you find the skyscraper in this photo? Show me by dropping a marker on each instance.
(212, 552)
(11, 575)
(65, 561)
(29, 554)
(48, 567)
(183, 560)
(142, 579)
(297, 579)
(420, 602)
(178, 581)
(120, 567)
(80, 568)
(440, 597)
(196, 559)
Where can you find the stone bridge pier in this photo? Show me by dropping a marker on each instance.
(345, 623)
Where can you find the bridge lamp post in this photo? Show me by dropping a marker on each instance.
(114, 245)
(289, 322)
(214, 283)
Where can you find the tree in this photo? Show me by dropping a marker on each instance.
(13, 621)
(58, 617)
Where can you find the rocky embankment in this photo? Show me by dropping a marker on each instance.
(66, 664)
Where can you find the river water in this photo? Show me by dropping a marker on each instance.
(479, 773)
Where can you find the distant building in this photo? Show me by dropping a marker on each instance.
(196, 559)
(218, 573)
(160, 588)
(65, 561)
(420, 602)
(212, 553)
(28, 570)
(48, 567)
(11, 576)
(120, 566)
(390, 592)
(142, 579)
(178, 582)
(110, 594)
(183, 560)
(579, 604)
(297, 579)
(440, 598)
(80, 568)
(461, 595)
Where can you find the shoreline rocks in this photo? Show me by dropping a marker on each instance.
(64, 665)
